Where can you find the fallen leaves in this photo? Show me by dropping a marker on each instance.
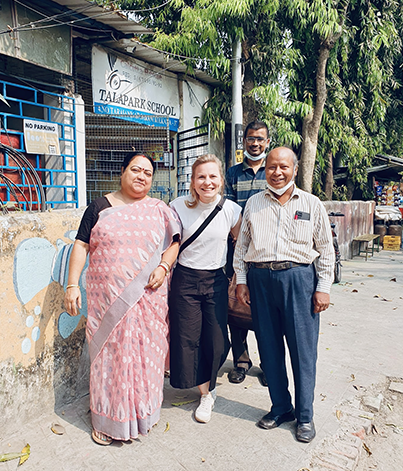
(366, 449)
(167, 427)
(23, 456)
(338, 414)
(57, 429)
(178, 404)
(396, 428)
(382, 298)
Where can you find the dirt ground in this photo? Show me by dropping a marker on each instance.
(383, 448)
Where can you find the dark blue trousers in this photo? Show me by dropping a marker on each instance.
(281, 304)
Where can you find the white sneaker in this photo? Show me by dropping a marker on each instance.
(214, 393)
(203, 412)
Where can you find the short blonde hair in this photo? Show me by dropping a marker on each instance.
(203, 159)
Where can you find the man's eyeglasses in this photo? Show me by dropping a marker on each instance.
(251, 139)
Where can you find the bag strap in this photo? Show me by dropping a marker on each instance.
(203, 226)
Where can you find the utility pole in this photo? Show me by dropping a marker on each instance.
(236, 123)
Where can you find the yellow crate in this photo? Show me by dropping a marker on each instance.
(391, 242)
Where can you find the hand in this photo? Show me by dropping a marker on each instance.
(321, 301)
(72, 301)
(156, 279)
(242, 294)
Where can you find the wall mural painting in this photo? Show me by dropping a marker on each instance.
(37, 264)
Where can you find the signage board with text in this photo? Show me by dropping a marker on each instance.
(134, 90)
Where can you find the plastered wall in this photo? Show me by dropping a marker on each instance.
(41, 346)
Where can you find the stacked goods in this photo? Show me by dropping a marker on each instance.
(391, 242)
(389, 194)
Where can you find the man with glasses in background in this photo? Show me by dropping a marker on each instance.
(242, 181)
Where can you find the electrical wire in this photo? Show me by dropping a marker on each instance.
(32, 177)
(174, 54)
(53, 17)
(32, 25)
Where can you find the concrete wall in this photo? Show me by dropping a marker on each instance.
(358, 219)
(41, 347)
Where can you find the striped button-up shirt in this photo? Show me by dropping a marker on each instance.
(298, 231)
(241, 182)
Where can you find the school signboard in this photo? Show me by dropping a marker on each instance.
(134, 90)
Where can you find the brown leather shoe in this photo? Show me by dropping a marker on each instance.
(306, 432)
(270, 421)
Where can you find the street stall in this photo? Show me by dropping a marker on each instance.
(388, 190)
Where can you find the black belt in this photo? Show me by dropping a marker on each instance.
(278, 265)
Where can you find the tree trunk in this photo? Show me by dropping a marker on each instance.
(329, 178)
(350, 189)
(311, 123)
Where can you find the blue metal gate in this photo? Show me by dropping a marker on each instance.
(58, 173)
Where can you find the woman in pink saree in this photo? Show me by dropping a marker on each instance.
(132, 241)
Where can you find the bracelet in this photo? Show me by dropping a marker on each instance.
(166, 265)
(165, 268)
(72, 286)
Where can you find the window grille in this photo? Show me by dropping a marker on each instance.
(57, 173)
(191, 144)
(109, 138)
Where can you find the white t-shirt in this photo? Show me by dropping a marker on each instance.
(209, 250)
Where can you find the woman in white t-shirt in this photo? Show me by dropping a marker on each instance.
(198, 299)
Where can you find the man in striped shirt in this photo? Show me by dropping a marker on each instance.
(284, 263)
(241, 182)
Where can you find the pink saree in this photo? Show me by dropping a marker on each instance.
(127, 325)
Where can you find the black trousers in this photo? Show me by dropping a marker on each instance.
(198, 311)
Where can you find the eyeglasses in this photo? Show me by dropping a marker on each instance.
(137, 170)
(251, 139)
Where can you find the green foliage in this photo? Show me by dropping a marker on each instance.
(280, 44)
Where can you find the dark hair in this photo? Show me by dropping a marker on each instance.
(255, 125)
(131, 155)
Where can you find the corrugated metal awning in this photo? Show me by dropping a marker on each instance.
(161, 59)
(113, 18)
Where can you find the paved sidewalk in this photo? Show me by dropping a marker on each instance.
(360, 346)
